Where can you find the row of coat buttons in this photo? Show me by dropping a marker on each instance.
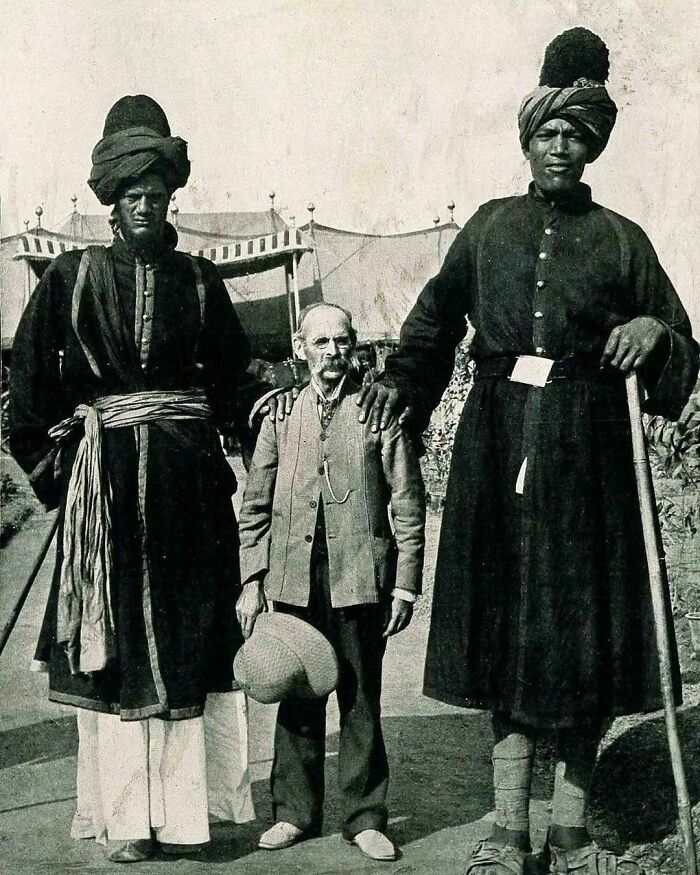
(539, 350)
(309, 538)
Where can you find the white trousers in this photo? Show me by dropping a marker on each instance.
(167, 776)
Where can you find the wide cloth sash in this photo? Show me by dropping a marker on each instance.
(85, 621)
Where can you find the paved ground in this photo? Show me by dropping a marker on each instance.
(440, 794)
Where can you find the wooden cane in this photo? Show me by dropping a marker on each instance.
(19, 604)
(657, 583)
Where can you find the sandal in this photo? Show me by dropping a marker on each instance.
(591, 860)
(488, 858)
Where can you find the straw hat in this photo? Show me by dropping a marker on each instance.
(285, 658)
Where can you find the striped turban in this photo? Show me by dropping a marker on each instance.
(586, 105)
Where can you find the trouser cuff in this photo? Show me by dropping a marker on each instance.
(308, 827)
(375, 819)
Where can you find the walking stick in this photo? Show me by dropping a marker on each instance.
(656, 583)
(19, 604)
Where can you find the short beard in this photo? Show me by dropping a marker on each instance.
(146, 245)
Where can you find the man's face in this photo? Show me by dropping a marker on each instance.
(326, 344)
(142, 209)
(557, 156)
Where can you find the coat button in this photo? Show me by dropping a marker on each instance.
(323, 436)
(320, 469)
(312, 504)
(543, 256)
(548, 231)
(541, 284)
(308, 538)
(539, 350)
(538, 314)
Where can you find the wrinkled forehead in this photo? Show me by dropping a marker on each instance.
(556, 126)
(325, 322)
(149, 184)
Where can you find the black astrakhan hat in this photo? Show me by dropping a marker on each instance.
(575, 56)
(136, 111)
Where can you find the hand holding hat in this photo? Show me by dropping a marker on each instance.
(285, 658)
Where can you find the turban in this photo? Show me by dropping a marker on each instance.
(586, 105)
(136, 140)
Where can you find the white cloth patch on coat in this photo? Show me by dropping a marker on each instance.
(533, 370)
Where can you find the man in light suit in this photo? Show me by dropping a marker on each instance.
(317, 539)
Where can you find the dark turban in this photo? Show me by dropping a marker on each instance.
(587, 106)
(136, 140)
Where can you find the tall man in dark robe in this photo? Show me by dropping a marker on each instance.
(542, 612)
(126, 359)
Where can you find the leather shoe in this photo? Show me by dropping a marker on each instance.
(375, 845)
(134, 851)
(82, 827)
(281, 835)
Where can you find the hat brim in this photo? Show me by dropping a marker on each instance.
(286, 657)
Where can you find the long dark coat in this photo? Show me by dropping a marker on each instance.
(174, 530)
(541, 605)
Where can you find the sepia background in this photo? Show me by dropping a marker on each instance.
(379, 111)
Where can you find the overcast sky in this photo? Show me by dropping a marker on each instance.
(379, 112)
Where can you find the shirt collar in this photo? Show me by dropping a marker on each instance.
(578, 200)
(335, 394)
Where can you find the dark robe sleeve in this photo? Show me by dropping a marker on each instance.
(423, 364)
(672, 369)
(36, 402)
(224, 354)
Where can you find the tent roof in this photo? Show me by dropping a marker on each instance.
(229, 226)
(377, 278)
(195, 230)
(85, 227)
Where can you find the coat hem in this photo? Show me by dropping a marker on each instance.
(449, 697)
(126, 713)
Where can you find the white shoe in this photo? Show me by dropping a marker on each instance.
(375, 845)
(281, 835)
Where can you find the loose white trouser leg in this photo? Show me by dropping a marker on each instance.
(152, 775)
(88, 821)
(183, 773)
(228, 776)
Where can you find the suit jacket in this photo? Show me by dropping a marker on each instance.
(287, 481)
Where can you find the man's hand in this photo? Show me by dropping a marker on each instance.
(382, 403)
(630, 345)
(251, 603)
(279, 406)
(398, 616)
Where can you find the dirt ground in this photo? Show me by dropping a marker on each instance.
(440, 794)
